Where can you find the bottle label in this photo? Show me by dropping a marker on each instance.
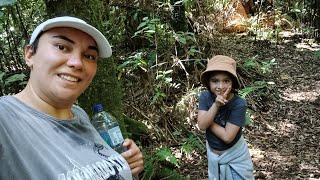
(105, 136)
(115, 135)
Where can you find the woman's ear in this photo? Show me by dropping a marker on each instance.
(28, 53)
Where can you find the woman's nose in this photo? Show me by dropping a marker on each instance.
(75, 61)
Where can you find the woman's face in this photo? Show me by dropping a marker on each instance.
(219, 82)
(63, 65)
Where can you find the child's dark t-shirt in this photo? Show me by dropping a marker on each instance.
(233, 112)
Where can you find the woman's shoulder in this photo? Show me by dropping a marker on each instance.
(79, 111)
(6, 102)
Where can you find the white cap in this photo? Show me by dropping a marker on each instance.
(67, 21)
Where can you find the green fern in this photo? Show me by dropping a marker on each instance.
(165, 154)
(250, 89)
(192, 143)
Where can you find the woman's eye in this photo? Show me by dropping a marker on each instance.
(61, 47)
(91, 57)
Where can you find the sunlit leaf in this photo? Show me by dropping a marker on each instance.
(165, 154)
(142, 25)
(250, 89)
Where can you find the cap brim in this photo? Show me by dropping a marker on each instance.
(102, 43)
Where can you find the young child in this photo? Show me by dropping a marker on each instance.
(222, 115)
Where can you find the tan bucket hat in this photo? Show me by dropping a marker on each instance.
(220, 63)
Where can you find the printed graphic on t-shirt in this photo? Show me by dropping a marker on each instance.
(106, 168)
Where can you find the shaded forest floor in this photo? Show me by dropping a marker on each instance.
(284, 137)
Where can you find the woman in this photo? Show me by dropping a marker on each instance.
(43, 135)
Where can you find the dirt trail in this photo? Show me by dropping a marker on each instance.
(284, 139)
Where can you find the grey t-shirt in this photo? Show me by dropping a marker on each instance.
(36, 146)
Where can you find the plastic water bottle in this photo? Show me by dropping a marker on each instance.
(108, 128)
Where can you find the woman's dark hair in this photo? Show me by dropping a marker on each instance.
(35, 43)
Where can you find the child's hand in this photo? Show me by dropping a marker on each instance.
(221, 99)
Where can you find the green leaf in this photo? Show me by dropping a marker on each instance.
(7, 2)
(152, 58)
(14, 78)
(248, 120)
(250, 89)
(192, 143)
(150, 31)
(165, 154)
(317, 54)
(2, 75)
(250, 64)
(142, 25)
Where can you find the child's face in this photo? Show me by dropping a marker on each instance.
(219, 82)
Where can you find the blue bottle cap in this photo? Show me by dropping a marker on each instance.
(97, 108)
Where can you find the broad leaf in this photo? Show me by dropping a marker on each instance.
(14, 78)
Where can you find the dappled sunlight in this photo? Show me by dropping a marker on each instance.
(281, 160)
(301, 96)
(309, 93)
(265, 157)
(256, 153)
(308, 45)
(286, 34)
(304, 166)
(188, 107)
(286, 127)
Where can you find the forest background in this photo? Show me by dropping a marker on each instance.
(151, 82)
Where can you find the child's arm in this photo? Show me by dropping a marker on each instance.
(227, 133)
(205, 117)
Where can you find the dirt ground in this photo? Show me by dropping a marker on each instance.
(284, 140)
(284, 136)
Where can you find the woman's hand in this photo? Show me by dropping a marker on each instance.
(221, 99)
(133, 156)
